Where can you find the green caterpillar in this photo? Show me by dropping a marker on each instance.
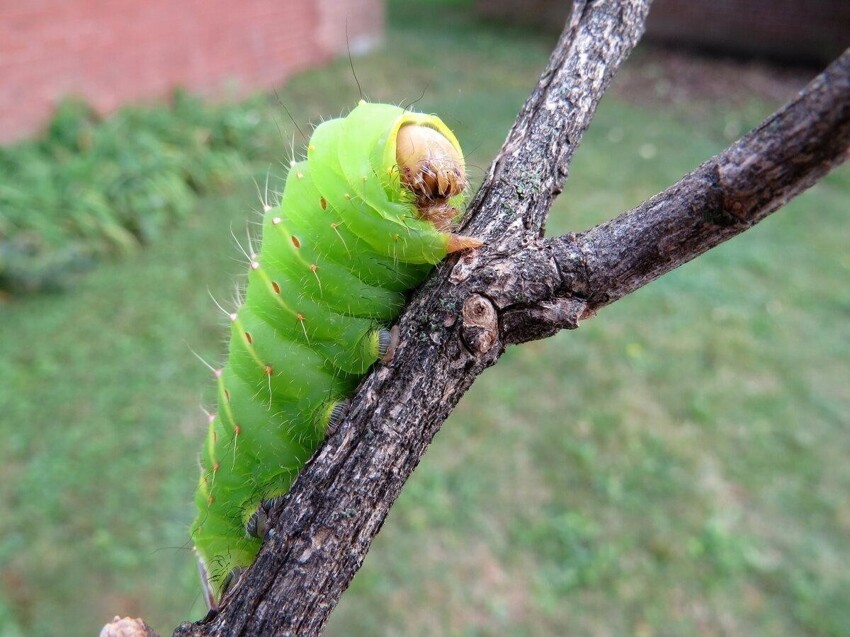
(360, 223)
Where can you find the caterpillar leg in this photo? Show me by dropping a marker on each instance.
(388, 343)
(335, 413)
(331, 416)
(231, 580)
(209, 594)
(459, 242)
(376, 344)
(258, 524)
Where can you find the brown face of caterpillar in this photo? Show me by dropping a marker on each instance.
(432, 168)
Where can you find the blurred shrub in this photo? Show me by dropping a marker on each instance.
(92, 188)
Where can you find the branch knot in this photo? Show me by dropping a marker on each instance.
(480, 329)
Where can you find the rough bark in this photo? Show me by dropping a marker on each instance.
(518, 287)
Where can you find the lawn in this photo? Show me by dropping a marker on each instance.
(677, 466)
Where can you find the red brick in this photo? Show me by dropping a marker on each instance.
(114, 51)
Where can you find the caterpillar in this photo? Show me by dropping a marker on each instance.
(361, 221)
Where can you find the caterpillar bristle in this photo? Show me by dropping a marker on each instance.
(214, 370)
(247, 256)
(263, 195)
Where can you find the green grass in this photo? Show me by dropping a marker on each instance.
(86, 189)
(677, 466)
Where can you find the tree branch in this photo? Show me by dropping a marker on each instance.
(519, 286)
(513, 203)
(723, 197)
(728, 194)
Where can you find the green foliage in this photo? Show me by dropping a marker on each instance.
(90, 188)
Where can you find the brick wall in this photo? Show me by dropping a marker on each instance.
(115, 51)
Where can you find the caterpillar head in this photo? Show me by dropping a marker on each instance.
(431, 166)
(429, 163)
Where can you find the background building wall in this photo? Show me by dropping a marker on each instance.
(110, 52)
(787, 30)
(797, 31)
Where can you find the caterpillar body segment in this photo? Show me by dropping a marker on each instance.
(377, 209)
(334, 231)
(360, 223)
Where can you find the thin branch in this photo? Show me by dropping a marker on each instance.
(726, 195)
(529, 172)
(570, 277)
